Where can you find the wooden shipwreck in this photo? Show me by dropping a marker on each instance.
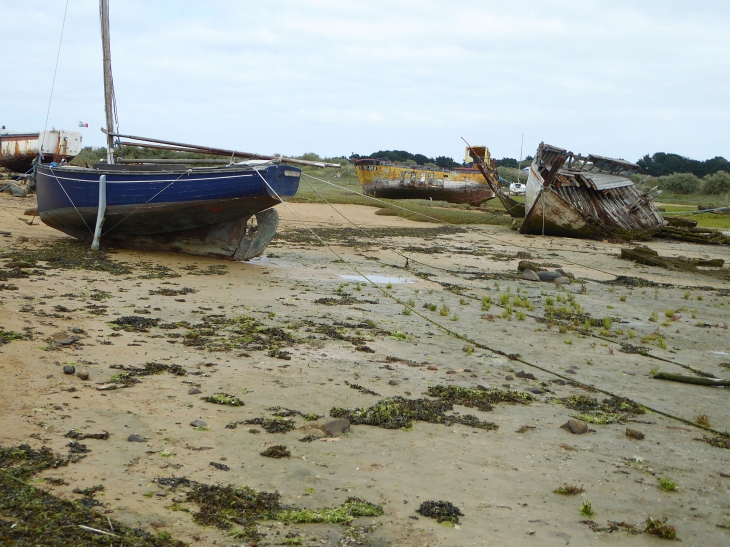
(570, 195)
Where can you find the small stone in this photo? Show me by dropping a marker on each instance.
(509, 378)
(536, 390)
(431, 367)
(66, 341)
(468, 348)
(562, 280)
(194, 391)
(69, 369)
(83, 374)
(109, 387)
(198, 423)
(336, 428)
(523, 254)
(136, 439)
(634, 434)
(577, 427)
(529, 275)
(548, 276)
(527, 375)
(26, 308)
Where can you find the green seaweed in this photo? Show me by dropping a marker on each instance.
(399, 412)
(273, 425)
(223, 399)
(611, 410)
(479, 398)
(134, 323)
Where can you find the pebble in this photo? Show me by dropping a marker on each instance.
(509, 378)
(548, 276)
(66, 341)
(136, 439)
(83, 374)
(198, 423)
(109, 387)
(577, 427)
(527, 375)
(431, 367)
(562, 280)
(527, 265)
(194, 391)
(523, 254)
(529, 275)
(68, 369)
(634, 434)
(536, 390)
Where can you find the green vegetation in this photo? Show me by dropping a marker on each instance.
(611, 410)
(667, 485)
(659, 527)
(586, 510)
(569, 490)
(223, 399)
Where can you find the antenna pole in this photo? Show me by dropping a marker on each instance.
(108, 81)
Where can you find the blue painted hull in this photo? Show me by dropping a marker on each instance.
(157, 209)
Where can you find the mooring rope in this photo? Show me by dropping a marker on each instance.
(468, 228)
(188, 172)
(53, 84)
(475, 343)
(70, 200)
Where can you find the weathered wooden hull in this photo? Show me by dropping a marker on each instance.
(384, 179)
(466, 192)
(206, 212)
(586, 204)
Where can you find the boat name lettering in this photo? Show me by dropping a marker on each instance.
(367, 167)
(289, 173)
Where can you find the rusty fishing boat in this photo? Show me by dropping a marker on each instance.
(570, 195)
(386, 179)
(19, 149)
(221, 211)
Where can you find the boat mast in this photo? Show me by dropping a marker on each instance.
(108, 81)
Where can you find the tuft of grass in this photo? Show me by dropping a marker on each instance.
(406, 310)
(654, 317)
(566, 446)
(586, 510)
(687, 295)
(623, 298)
(667, 485)
(703, 420)
(444, 310)
(569, 490)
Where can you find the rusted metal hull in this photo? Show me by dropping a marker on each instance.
(471, 193)
(385, 179)
(572, 196)
(207, 212)
(18, 150)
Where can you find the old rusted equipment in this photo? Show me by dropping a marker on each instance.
(489, 172)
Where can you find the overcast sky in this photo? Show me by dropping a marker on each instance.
(617, 78)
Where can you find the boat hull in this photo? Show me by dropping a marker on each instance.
(389, 180)
(204, 211)
(471, 193)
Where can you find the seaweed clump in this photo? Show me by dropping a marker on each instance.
(288, 412)
(165, 291)
(134, 323)
(345, 513)
(479, 398)
(276, 451)
(73, 434)
(718, 442)
(399, 412)
(23, 461)
(69, 255)
(44, 519)
(128, 376)
(442, 511)
(273, 425)
(659, 527)
(223, 399)
(614, 409)
(7, 336)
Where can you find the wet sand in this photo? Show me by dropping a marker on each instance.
(502, 480)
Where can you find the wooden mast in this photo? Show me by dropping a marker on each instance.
(108, 82)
